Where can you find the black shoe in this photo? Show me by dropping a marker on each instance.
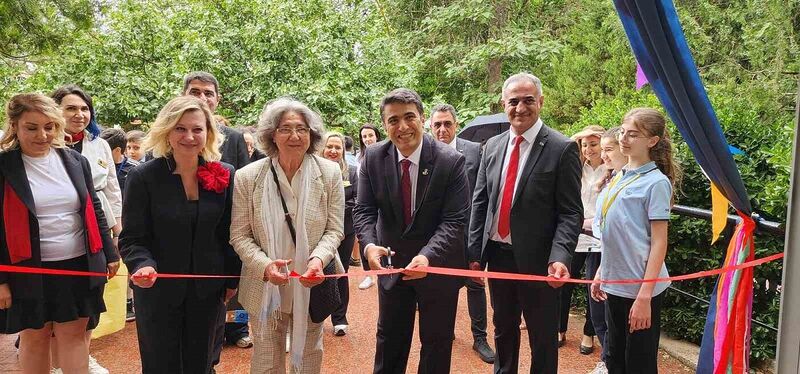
(561, 342)
(586, 350)
(485, 352)
(130, 315)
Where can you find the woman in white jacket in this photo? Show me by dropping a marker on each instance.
(83, 136)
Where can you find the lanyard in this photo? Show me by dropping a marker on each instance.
(609, 198)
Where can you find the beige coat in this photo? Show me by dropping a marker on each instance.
(324, 223)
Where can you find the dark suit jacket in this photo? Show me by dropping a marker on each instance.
(234, 148)
(350, 193)
(157, 230)
(442, 207)
(547, 213)
(472, 156)
(12, 170)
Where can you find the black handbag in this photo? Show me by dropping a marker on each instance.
(325, 297)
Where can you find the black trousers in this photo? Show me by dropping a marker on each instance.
(476, 304)
(176, 337)
(631, 353)
(437, 318)
(565, 297)
(597, 308)
(536, 302)
(339, 316)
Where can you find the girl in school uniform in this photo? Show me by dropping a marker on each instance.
(632, 215)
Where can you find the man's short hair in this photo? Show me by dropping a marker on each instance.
(135, 136)
(200, 76)
(524, 76)
(402, 96)
(348, 143)
(445, 108)
(115, 138)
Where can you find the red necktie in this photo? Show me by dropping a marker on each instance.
(504, 225)
(405, 186)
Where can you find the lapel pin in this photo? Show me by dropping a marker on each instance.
(424, 171)
(541, 144)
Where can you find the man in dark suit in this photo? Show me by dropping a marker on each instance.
(444, 123)
(526, 217)
(205, 86)
(412, 198)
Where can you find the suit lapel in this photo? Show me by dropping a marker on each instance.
(316, 187)
(533, 157)
(393, 181)
(18, 180)
(459, 146)
(495, 172)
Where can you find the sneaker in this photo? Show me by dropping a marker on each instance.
(95, 368)
(355, 261)
(340, 330)
(130, 315)
(366, 283)
(245, 342)
(484, 351)
(599, 369)
(56, 371)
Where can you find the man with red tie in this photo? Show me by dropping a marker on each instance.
(526, 217)
(413, 197)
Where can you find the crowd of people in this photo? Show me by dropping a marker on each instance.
(193, 195)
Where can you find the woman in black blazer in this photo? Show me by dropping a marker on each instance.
(334, 150)
(177, 211)
(48, 224)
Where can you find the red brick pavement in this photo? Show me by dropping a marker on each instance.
(352, 353)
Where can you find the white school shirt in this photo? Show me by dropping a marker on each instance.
(525, 147)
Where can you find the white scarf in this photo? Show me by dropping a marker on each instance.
(279, 247)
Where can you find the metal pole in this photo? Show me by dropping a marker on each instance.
(788, 355)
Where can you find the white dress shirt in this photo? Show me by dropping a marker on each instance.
(525, 147)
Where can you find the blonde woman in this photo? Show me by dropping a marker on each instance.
(65, 230)
(334, 150)
(177, 218)
(271, 246)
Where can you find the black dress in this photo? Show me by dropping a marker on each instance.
(176, 319)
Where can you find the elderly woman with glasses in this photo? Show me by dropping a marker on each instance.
(287, 217)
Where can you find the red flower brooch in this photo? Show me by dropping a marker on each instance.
(213, 177)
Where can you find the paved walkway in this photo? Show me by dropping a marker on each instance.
(352, 353)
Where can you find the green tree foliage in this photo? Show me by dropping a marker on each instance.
(29, 28)
(341, 56)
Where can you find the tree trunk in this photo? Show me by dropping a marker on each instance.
(494, 78)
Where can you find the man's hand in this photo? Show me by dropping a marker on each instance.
(229, 294)
(5, 296)
(417, 261)
(639, 317)
(374, 254)
(477, 266)
(145, 277)
(273, 273)
(112, 268)
(557, 270)
(314, 274)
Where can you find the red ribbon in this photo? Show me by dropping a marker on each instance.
(427, 269)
